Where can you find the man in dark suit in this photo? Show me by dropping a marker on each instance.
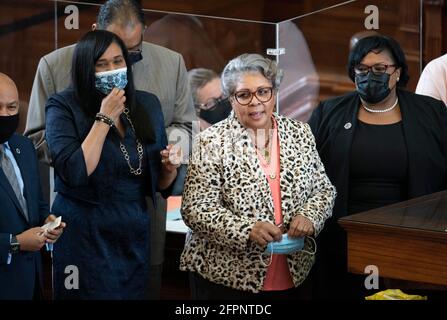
(22, 209)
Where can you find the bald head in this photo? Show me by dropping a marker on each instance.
(9, 96)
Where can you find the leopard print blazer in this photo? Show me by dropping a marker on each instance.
(226, 192)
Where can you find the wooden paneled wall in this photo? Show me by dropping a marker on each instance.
(434, 29)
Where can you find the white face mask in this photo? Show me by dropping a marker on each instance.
(107, 80)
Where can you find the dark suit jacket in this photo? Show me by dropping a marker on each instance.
(424, 122)
(67, 127)
(17, 279)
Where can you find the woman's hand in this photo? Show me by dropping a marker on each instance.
(264, 232)
(300, 227)
(113, 105)
(171, 157)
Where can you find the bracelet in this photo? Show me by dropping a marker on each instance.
(105, 121)
(103, 118)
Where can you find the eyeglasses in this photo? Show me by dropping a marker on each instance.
(377, 69)
(210, 104)
(245, 97)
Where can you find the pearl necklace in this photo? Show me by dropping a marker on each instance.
(380, 110)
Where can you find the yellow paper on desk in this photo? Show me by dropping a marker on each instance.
(394, 294)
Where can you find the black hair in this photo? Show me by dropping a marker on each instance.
(121, 11)
(377, 44)
(87, 52)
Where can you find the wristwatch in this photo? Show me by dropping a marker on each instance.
(14, 245)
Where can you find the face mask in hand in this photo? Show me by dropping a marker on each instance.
(286, 246)
(107, 80)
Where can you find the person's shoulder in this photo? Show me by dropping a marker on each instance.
(289, 121)
(418, 99)
(22, 141)
(156, 50)
(67, 93)
(422, 106)
(293, 124)
(218, 130)
(335, 106)
(65, 97)
(150, 103)
(439, 64)
(339, 100)
(146, 97)
(63, 55)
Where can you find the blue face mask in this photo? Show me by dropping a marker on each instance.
(107, 80)
(286, 246)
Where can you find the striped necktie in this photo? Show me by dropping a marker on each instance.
(8, 169)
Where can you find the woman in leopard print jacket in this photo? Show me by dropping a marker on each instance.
(253, 178)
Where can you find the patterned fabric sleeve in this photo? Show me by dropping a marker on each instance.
(320, 202)
(202, 207)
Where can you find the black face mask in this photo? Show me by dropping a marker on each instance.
(135, 57)
(218, 113)
(8, 125)
(373, 88)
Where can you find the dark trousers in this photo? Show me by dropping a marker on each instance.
(202, 289)
(155, 277)
(38, 294)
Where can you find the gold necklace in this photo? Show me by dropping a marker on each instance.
(265, 151)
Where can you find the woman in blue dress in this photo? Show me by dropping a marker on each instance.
(109, 150)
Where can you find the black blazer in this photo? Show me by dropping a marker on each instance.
(424, 121)
(17, 279)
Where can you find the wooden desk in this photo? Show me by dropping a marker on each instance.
(407, 240)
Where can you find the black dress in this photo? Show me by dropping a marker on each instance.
(377, 177)
(335, 125)
(108, 242)
(378, 167)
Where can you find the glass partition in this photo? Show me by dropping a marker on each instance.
(311, 38)
(208, 42)
(316, 47)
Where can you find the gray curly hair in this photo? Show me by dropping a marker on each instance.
(248, 63)
(198, 78)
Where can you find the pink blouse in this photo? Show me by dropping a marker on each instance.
(278, 274)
